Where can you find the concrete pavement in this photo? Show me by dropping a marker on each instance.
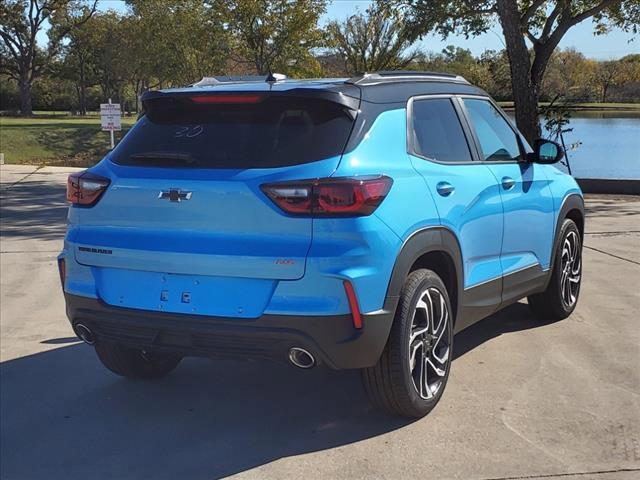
(524, 400)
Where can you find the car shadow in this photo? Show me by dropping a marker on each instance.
(64, 415)
(21, 218)
(515, 318)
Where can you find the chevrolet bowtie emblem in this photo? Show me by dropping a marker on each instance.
(174, 195)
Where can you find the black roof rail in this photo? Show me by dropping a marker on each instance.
(404, 75)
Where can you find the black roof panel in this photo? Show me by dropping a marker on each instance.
(376, 87)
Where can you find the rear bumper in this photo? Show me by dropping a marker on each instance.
(331, 339)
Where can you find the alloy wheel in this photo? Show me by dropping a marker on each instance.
(571, 264)
(429, 343)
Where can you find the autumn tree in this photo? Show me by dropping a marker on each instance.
(373, 40)
(612, 73)
(532, 30)
(21, 58)
(569, 75)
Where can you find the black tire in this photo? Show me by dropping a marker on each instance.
(129, 362)
(390, 384)
(553, 304)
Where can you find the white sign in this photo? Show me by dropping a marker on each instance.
(110, 117)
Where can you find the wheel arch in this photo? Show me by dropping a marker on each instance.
(435, 248)
(572, 207)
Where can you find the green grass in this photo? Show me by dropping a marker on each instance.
(55, 140)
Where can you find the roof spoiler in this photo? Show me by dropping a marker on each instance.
(209, 81)
(348, 101)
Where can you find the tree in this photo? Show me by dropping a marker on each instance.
(541, 23)
(611, 73)
(274, 35)
(499, 76)
(459, 61)
(77, 65)
(176, 42)
(569, 75)
(107, 41)
(375, 40)
(20, 22)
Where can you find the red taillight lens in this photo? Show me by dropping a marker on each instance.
(330, 197)
(218, 98)
(353, 304)
(84, 188)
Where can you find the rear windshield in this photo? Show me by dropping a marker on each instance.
(274, 132)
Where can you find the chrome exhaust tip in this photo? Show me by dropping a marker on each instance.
(84, 333)
(301, 358)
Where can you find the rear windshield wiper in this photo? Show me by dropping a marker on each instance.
(164, 157)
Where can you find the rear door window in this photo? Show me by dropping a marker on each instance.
(497, 139)
(437, 132)
(268, 132)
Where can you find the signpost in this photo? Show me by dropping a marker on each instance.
(110, 118)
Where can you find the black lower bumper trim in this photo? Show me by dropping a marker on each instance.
(331, 339)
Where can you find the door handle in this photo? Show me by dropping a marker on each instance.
(508, 183)
(445, 188)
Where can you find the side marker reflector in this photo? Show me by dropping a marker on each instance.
(353, 304)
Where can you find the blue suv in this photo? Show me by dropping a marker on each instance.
(353, 223)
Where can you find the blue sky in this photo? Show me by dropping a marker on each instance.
(614, 45)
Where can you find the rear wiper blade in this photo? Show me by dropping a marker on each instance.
(164, 157)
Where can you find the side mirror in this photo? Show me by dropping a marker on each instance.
(546, 151)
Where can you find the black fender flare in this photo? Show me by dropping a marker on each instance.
(420, 242)
(573, 201)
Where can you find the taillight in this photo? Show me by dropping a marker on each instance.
(84, 188)
(330, 197)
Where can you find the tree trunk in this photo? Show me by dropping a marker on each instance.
(25, 97)
(525, 92)
(605, 90)
(83, 99)
(82, 91)
(77, 86)
(525, 98)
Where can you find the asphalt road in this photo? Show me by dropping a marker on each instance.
(525, 399)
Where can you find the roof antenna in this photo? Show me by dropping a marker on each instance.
(275, 77)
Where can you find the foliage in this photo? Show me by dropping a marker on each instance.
(375, 40)
(176, 42)
(274, 35)
(569, 75)
(90, 57)
(541, 23)
(21, 58)
(556, 119)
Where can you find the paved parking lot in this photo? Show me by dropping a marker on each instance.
(525, 399)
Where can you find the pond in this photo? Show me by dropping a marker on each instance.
(609, 145)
